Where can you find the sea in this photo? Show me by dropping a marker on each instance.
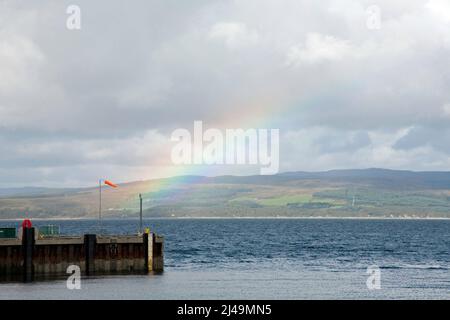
(269, 259)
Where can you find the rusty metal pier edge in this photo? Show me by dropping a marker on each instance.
(95, 255)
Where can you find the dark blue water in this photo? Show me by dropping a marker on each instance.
(273, 259)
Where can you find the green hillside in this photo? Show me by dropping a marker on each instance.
(345, 193)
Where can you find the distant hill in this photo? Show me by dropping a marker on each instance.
(384, 178)
(336, 193)
(33, 191)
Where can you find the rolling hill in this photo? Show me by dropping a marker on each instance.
(336, 193)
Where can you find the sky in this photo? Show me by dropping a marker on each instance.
(349, 84)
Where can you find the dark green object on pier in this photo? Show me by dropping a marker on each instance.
(7, 233)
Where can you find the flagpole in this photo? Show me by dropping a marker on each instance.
(100, 204)
(140, 213)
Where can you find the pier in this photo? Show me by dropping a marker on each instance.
(30, 257)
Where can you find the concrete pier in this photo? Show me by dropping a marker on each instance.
(32, 257)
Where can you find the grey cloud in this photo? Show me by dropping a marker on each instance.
(343, 141)
(417, 137)
(153, 66)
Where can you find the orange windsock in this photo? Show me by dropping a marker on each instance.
(109, 183)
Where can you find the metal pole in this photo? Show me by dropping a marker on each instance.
(140, 213)
(100, 203)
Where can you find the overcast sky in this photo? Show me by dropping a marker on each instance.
(102, 101)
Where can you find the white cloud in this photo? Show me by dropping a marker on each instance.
(446, 109)
(234, 34)
(440, 9)
(19, 59)
(318, 48)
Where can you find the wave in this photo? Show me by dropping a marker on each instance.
(417, 266)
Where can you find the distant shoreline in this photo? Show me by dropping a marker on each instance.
(234, 218)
